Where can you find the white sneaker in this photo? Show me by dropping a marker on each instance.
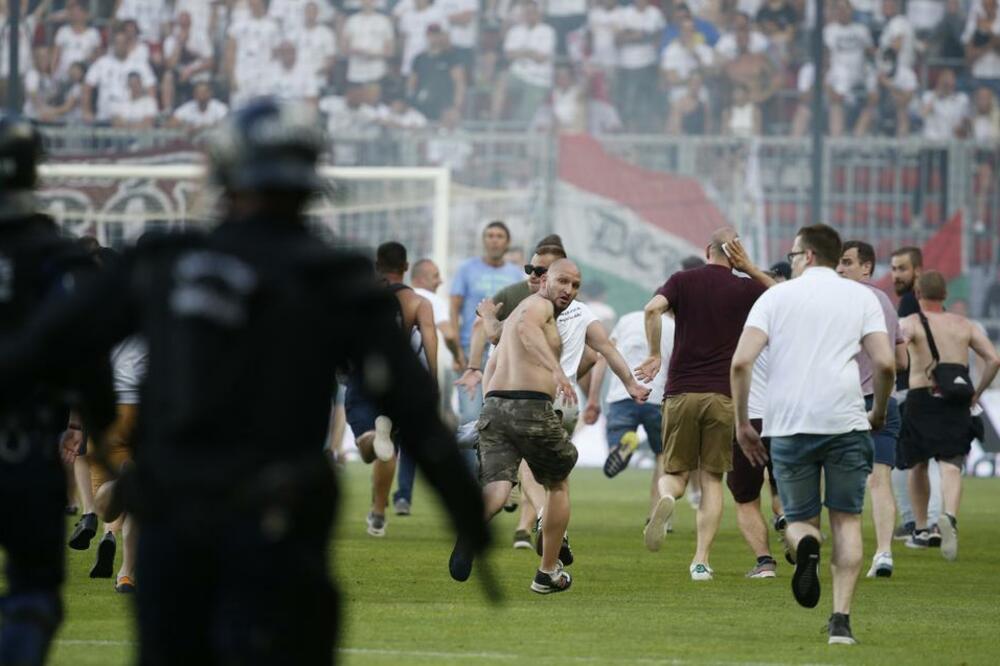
(384, 450)
(694, 499)
(656, 528)
(701, 572)
(881, 566)
(949, 537)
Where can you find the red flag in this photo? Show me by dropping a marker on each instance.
(942, 252)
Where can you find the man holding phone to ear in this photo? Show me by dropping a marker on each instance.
(709, 305)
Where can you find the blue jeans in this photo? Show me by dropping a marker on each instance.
(405, 474)
(845, 461)
(626, 415)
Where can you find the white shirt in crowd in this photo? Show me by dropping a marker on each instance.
(562, 8)
(815, 325)
(540, 38)
(629, 336)
(946, 114)
(200, 12)
(442, 315)
(371, 33)
(291, 14)
(134, 110)
(727, 49)
(37, 84)
(314, 46)
(572, 325)
(408, 119)
(925, 15)
(191, 114)
(986, 66)
(129, 361)
(292, 85)
(986, 127)
(847, 45)
(74, 47)
(603, 23)
(27, 29)
(344, 122)
(413, 23)
(683, 61)
(649, 20)
(256, 39)
(172, 43)
(899, 28)
(149, 15)
(448, 148)
(110, 76)
(462, 36)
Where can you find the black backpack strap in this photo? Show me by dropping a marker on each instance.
(930, 342)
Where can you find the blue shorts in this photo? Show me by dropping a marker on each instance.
(360, 413)
(885, 439)
(626, 415)
(844, 460)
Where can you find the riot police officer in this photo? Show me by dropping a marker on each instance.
(246, 325)
(37, 267)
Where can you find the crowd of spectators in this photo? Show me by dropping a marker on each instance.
(737, 67)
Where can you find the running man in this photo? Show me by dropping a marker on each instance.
(938, 422)
(857, 262)
(709, 305)
(519, 421)
(813, 327)
(373, 433)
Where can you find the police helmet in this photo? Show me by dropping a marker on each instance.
(20, 153)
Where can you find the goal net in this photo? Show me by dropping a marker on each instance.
(118, 203)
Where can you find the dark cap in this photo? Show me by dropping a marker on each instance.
(782, 269)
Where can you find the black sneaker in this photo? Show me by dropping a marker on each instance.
(544, 583)
(934, 537)
(919, 539)
(780, 523)
(565, 552)
(85, 530)
(460, 563)
(903, 532)
(105, 563)
(805, 580)
(840, 630)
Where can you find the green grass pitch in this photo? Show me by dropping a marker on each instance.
(627, 605)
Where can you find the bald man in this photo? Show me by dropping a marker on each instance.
(710, 305)
(518, 420)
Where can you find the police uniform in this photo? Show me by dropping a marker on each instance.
(36, 267)
(246, 326)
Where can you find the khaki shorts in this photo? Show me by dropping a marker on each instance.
(698, 431)
(117, 449)
(525, 427)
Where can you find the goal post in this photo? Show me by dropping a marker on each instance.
(370, 205)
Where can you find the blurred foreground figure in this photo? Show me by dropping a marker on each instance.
(37, 268)
(246, 326)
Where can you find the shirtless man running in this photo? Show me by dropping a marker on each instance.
(518, 421)
(935, 425)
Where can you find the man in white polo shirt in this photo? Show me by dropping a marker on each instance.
(814, 326)
(530, 47)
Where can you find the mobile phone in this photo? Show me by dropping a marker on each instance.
(725, 248)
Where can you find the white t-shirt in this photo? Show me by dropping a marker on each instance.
(75, 47)
(757, 404)
(727, 49)
(413, 26)
(256, 39)
(409, 119)
(314, 47)
(925, 14)
(540, 39)
(110, 76)
(682, 60)
(572, 326)
(602, 24)
(292, 85)
(815, 324)
(149, 15)
(899, 27)
(986, 127)
(134, 110)
(565, 7)
(847, 44)
(191, 114)
(36, 84)
(129, 360)
(449, 149)
(629, 336)
(946, 114)
(200, 12)
(462, 36)
(369, 32)
(650, 20)
(291, 14)
(905, 79)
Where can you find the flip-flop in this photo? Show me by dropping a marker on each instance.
(620, 456)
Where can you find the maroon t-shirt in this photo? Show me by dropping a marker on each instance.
(710, 306)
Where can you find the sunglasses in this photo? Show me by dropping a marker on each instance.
(539, 271)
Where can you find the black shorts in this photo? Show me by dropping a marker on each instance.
(746, 481)
(933, 428)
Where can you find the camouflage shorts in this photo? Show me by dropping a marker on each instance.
(514, 428)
